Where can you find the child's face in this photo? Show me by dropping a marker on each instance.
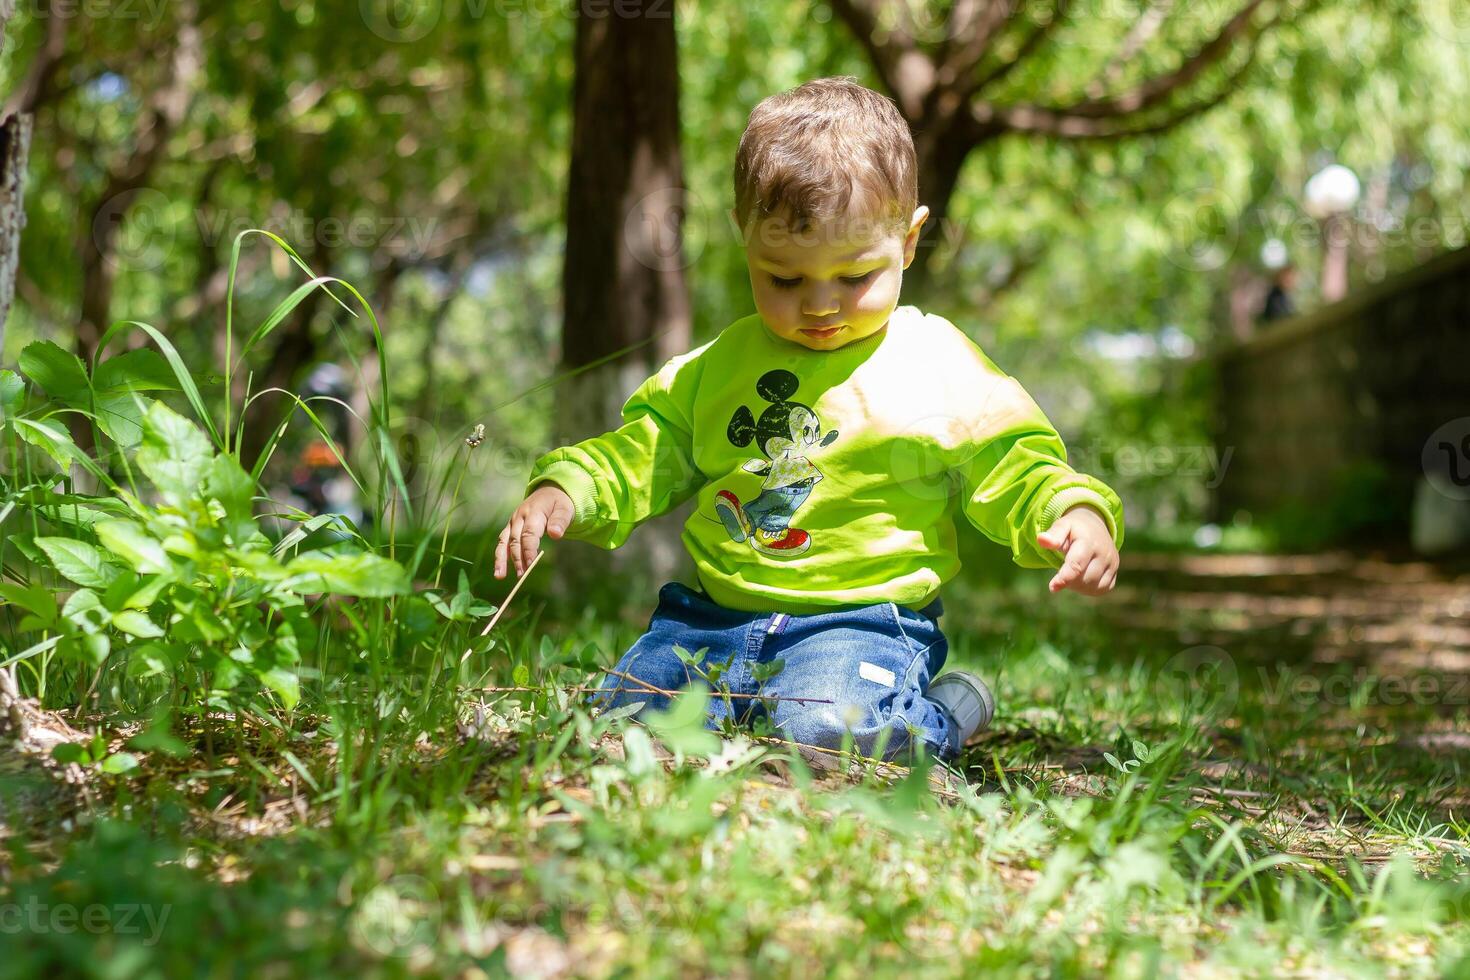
(833, 283)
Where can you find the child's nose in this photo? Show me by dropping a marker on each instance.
(820, 304)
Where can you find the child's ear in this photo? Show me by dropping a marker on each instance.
(911, 240)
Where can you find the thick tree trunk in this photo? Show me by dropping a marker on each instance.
(15, 145)
(623, 281)
(941, 156)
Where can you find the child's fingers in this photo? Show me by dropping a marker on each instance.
(1077, 560)
(1106, 585)
(531, 532)
(1096, 569)
(500, 551)
(516, 521)
(562, 513)
(1055, 538)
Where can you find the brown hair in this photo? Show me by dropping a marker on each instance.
(822, 149)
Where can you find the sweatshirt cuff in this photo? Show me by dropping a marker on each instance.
(577, 483)
(1069, 497)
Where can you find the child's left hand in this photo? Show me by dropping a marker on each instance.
(1091, 563)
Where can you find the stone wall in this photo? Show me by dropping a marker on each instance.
(1310, 404)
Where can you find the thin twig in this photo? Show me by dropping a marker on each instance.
(506, 604)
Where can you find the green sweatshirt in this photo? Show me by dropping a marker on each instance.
(829, 478)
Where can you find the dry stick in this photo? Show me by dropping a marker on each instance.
(506, 604)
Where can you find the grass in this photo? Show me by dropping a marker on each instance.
(398, 828)
(1170, 788)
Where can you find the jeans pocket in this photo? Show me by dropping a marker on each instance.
(923, 634)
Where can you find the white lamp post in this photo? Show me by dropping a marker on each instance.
(1330, 195)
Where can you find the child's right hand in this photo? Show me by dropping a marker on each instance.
(548, 510)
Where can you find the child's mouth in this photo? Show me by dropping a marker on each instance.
(821, 333)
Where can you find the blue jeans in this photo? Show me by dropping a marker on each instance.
(870, 665)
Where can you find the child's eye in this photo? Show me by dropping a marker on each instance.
(781, 283)
(859, 280)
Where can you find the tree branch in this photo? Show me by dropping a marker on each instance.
(1157, 89)
(905, 71)
(957, 61)
(37, 88)
(1036, 119)
(980, 81)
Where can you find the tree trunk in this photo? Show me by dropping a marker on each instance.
(15, 145)
(623, 281)
(941, 156)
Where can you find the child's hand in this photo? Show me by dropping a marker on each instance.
(1092, 560)
(548, 509)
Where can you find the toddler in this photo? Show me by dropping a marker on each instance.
(830, 440)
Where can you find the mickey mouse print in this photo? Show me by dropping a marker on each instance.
(786, 435)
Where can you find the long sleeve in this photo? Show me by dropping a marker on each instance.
(645, 467)
(1017, 482)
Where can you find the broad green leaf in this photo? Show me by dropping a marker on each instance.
(32, 598)
(134, 370)
(362, 574)
(12, 391)
(157, 738)
(120, 762)
(133, 545)
(69, 752)
(120, 416)
(152, 659)
(681, 728)
(49, 437)
(229, 484)
(136, 623)
(285, 683)
(95, 647)
(85, 611)
(175, 454)
(58, 371)
(79, 561)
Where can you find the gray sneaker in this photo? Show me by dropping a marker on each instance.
(966, 698)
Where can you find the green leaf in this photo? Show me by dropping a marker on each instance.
(362, 574)
(120, 416)
(521, 676)
(134, 370)
(153, 659)
(85, 611)
(12, 391)
(33, 598)
(69, 752)
(228, 483)
(50, 438)
(119, 763)
(133, 545)
(78, 561)
(157, 738)
(285, 683)
(682, 727)
(58, 371)
(175, 454)
(136, 623)
(95, 647)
